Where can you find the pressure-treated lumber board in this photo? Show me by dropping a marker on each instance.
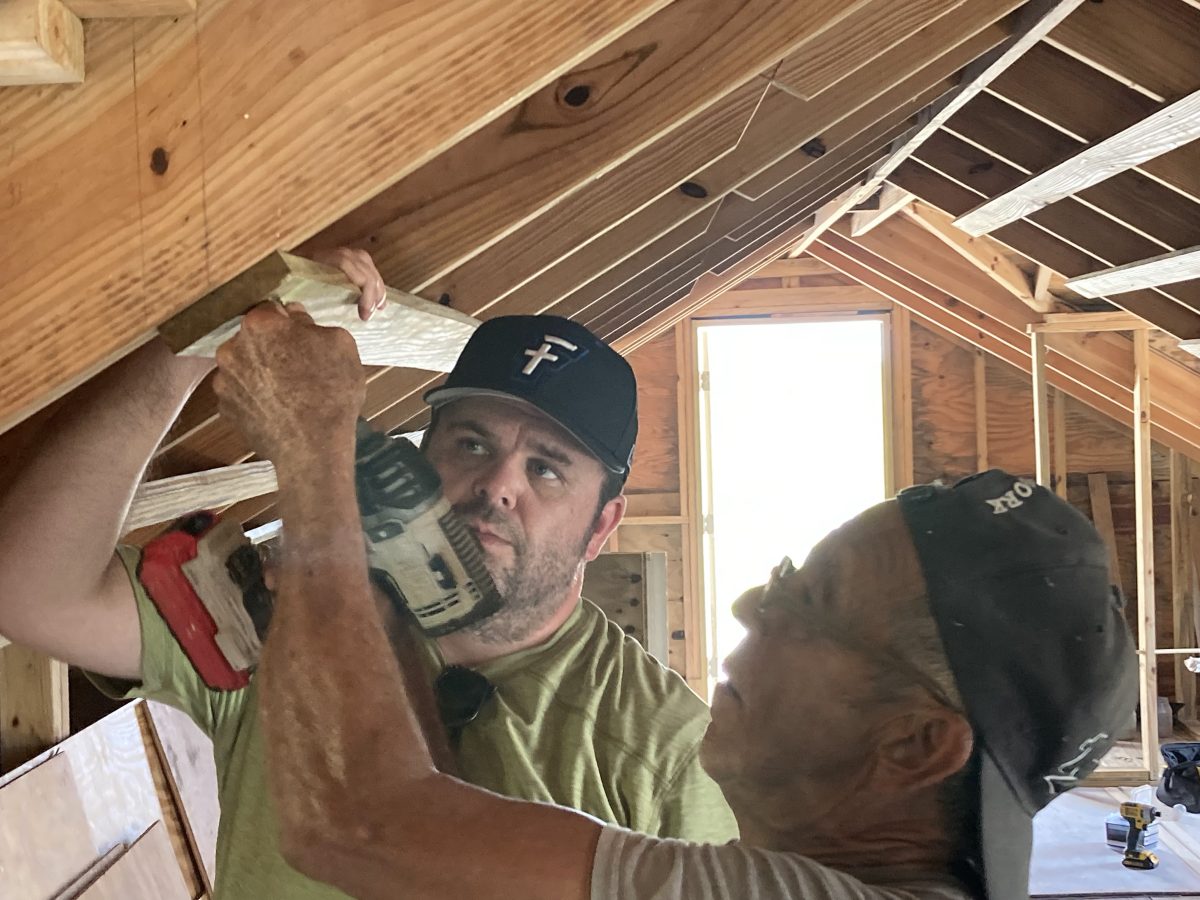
(1178, 265)
(44, 837)
(169, 498)
(409, 331)
(146, 871)
(1151, 43)
(1036, 20)
(125, 9)
(34, 712)
(1091, 106)
(655, 77)
(1038, 244)
(1144, 515)
(41, 42)
(300, 124)
(854, 42)
(1163, 131)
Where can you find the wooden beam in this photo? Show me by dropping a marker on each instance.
(1060, 443)
(1178, 265)
(34, 712)
(1038, 243)
(902, 405)
(1101, 505)
(409, 331)
(990, 257)
(1096, 370)
(128, 9)
(1087, 323)
(1144, 530)
(1152, 44)
(981, 427)
(299, 127)
(1182, 609)
(888, 201)
(1041, 411)
(41, 42)
(1037, 19)
(1170, 127)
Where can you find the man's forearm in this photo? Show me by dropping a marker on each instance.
(61, 513)
(359, 800)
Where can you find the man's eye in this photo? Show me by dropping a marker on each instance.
(472, 446)
(543, 471)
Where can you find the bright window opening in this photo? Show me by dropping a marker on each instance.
(791, 445)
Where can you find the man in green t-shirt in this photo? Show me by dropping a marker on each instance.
(532, 437)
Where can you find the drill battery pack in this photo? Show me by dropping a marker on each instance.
(205, 579)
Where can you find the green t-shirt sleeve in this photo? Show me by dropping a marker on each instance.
(691, 807)
(167, 673)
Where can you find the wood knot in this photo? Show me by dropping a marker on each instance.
(160, 159)
(692, 189)
(577, 95)
(815, 148)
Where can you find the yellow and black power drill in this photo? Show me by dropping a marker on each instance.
(1139, 816)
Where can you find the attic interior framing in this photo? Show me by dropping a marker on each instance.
(624, 194)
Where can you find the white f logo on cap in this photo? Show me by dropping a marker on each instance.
(543, 352)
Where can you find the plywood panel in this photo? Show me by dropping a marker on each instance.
(188, 754)
(656, 459)
(146, 871)
(943, 391)
(45, 841)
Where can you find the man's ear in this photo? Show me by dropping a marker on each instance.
(606, 523)
(923, 747)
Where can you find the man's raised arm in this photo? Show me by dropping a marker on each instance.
(359, 801)
(62, 590)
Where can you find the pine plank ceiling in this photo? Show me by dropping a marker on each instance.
(664, 152)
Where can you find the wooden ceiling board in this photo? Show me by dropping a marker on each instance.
(1153, 44)
(655, 77)
(299, 125)
(857, 41)
(1084, 102)
(1029, 144)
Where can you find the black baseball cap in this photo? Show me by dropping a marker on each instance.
(1036, 638)
(559, 367)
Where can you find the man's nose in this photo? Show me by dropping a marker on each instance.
(500, 483)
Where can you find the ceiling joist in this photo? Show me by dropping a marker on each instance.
(1169, 268)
